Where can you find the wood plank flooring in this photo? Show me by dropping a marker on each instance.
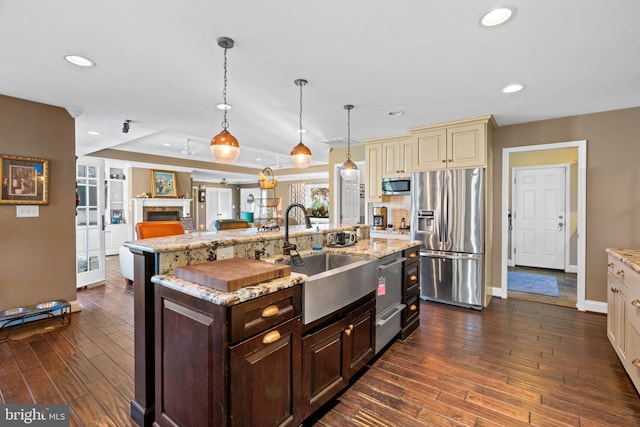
(515, 363)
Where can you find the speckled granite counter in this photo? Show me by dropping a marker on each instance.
(369, 248)
(629, 257)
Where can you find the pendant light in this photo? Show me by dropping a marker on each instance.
(224, 146)
(300, 155)
(349, 170)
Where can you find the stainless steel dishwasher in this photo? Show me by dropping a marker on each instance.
(389, 299)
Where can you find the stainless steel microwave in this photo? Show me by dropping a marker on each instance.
(396, 185)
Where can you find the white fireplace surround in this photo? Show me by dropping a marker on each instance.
(139, 204)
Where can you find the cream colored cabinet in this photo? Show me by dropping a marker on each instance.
(450, 146)
(623, 309)
(397, 157)
(373, 158)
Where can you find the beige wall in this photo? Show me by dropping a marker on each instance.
(37, 255)
(613, 178)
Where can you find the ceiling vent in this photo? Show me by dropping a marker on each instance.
(339, 142)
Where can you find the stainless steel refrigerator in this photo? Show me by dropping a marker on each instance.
(447, 216)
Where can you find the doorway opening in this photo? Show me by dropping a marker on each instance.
(573, 230)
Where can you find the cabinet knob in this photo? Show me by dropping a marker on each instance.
(348, 330)
(620, 272)
(272, 336)
(614, 290)
(413, 307)
(610, 265)
(413, 277)
(269, 311)
(636, 303)
(636, 363)
(450, 160)
(412, 255)
(444, 160)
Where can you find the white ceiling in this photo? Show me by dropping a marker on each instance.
(159, 65)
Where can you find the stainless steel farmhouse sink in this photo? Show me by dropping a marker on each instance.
(335, 281)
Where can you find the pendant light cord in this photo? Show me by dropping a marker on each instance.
(300, 128)
(225, 124)
(348, 133)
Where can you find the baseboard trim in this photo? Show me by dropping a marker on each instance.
(571, 269)
(75, 306)
(595, 306)
(497, 292)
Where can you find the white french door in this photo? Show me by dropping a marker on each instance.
(539, 217)
(90, 245)
(218, 205)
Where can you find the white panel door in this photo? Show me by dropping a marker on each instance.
(539, 217)
(349, 199)
(218, 206)
(90, 244)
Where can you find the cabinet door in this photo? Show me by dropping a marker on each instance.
(360, 336)
(373, 157)
(431, 150)
(466, 146)
(397, 157)
(265, 378)
(324, 369)
(616, 316)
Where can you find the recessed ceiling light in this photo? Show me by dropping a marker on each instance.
(395, 113)
(167, 144)
(93, 132)
(80, 61)
(258, 159)
(224, 106)
(497, 17)
(513, 88)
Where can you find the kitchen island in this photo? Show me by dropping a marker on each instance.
(154, 262)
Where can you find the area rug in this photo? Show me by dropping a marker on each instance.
(532, 283)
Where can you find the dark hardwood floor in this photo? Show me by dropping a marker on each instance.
(515, 363)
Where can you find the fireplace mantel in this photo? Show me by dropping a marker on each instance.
(140, 203)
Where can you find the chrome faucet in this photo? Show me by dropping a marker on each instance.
(287, 247)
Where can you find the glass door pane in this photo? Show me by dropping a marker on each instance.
(90, 246)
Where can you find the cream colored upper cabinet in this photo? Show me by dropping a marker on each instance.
(461, 144)
(373, 158)
(397, 157)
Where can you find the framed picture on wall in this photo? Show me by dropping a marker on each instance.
(163, 184)
(25, 180)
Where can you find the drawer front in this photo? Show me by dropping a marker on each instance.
(412, 255)
(412, 310)
(623, 273)
(411, 281)
(257, 315)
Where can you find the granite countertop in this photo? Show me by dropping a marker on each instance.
(203, 239)
(629, 257)
(368, 248)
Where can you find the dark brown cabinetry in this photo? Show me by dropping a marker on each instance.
(410, 291)
(335, 351)
(237, 365)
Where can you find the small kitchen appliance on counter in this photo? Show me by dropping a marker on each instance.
(380, 218)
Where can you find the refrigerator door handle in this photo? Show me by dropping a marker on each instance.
(451, 256)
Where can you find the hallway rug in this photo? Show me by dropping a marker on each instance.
(532, 283)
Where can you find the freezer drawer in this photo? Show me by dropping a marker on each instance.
(453, 278)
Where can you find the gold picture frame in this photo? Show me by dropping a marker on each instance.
(163, 184)
(25, 180)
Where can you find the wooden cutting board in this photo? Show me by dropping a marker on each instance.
(231, 274)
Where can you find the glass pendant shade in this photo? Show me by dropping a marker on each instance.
(301, 156)
(224, 147)
(349, 170)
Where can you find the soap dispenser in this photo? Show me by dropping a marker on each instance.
(317, 242)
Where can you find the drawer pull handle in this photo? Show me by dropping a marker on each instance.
(272, 310)
(414, 277)
(636, 303)
(412, 255)
(620, 272)
(636, 363)
(413, 307)
(610, 265)
(272, 336)
(348, 330)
